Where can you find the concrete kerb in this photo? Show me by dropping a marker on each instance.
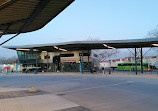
(134, 75)
(84, 74)
(43, 73)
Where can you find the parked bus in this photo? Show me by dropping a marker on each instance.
(131, 66)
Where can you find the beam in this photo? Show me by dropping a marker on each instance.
(14, 35)
(147, 51)
(131, 51)
(7, 4)
(13, 22)
(5, 31)
(9, 39)
(36, 12)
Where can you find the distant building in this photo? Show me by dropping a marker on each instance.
(152, 60)
(68, 61)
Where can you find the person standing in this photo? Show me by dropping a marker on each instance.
(91, 69)
(103, 70)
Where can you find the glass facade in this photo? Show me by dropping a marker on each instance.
(27, 57)
(28, 60)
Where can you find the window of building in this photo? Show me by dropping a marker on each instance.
(86, 54)
(67, 55)
(46, 56)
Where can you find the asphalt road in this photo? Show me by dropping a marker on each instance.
(96, 92)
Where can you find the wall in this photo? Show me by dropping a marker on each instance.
(76, 57)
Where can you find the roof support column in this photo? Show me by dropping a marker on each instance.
(52, 63)
(36, 63)
(88, 60)
(141, 53)
(82, 62)
(47, 61)
(60, 62)
(136, 60)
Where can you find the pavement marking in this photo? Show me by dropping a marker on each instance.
(94, 87)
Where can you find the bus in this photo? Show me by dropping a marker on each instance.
(131, 67)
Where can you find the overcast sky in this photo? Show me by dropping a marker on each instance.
(99, 19)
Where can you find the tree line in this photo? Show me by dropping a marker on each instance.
(9, 60)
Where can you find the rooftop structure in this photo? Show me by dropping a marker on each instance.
(80, 46)
(88, 45)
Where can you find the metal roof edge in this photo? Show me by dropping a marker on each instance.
(84, 42)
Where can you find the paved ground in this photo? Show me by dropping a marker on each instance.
(96, 92)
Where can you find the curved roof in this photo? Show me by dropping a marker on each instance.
(87, 45)
(20, 16)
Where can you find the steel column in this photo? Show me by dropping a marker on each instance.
(136, 60)
(82, 62)
(36, 63)
(60, 62)
(88, 61)
(47, 61)
(141, 53)
(52, 63)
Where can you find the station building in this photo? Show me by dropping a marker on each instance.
(63, 61)
(75, 56)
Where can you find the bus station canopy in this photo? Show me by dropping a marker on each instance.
(21, 16)
(88, 45)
